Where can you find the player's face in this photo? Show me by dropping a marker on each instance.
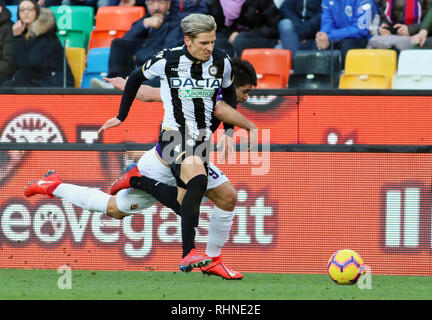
(243, 92)
(27, 12)
(201, 47)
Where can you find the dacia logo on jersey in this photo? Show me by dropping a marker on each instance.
(210, 83)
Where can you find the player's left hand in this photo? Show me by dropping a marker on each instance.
(110, 123)
(225, 144)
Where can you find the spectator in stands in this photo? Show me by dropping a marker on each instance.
(49, 3)
(7, 62)
(41, 3)
(37, 50)
(245, 24)
(146, 36)
(301, 20)
(158, 29)
(91, 3)
(401, 25)
(421, 39)
(346, 23)
(184, 7)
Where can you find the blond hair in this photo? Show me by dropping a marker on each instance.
(197, 23)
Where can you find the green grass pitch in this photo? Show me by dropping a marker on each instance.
(43, 285)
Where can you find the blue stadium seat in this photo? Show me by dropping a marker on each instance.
(14, 10)
(97, 65)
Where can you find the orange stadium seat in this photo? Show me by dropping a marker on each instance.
(272, 66)
(113, 22)
(103, 38)
(117, 17)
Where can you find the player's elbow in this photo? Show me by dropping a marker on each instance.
(148, 94)
(219, 111)
(144, 97)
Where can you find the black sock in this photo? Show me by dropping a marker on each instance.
(189, 210)
(165, 194)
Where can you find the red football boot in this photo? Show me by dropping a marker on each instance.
(123, 181)
(218, 268)
(45, 185)
(192, 260)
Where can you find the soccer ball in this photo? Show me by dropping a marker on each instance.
(345, 267)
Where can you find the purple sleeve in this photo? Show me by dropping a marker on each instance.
(219, 95)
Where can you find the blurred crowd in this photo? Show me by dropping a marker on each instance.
(32, 55)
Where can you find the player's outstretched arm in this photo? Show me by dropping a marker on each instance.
(229, 115)
(131, 88)
(145, 93)
(110, 123)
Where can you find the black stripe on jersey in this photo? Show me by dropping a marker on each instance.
(171, 71)
(196, 73)
(219, 61)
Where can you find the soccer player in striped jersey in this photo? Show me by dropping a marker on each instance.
(191, 77)
(130, 201)
(219, 188)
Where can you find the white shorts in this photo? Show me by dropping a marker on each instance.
(133, 200)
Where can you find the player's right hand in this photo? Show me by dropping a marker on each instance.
(110, 123)
(118, 82)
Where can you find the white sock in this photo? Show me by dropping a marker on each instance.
(219, 229)
(83, 197)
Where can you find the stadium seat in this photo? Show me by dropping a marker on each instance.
(74, 24)
(414, 70)
(272, 66)
(14, 11)
(364, 81)
(314, 69)
(103, 38)
(415, 62)
(72, 38)
(371, 62)
(117, 17)
(412, 82)
(76, 58)
(97, 65)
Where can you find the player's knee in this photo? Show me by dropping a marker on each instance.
(229, 200)
(198, 183)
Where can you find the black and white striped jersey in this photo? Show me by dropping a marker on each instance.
(189, 87)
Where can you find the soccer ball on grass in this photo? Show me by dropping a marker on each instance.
(345, 267)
